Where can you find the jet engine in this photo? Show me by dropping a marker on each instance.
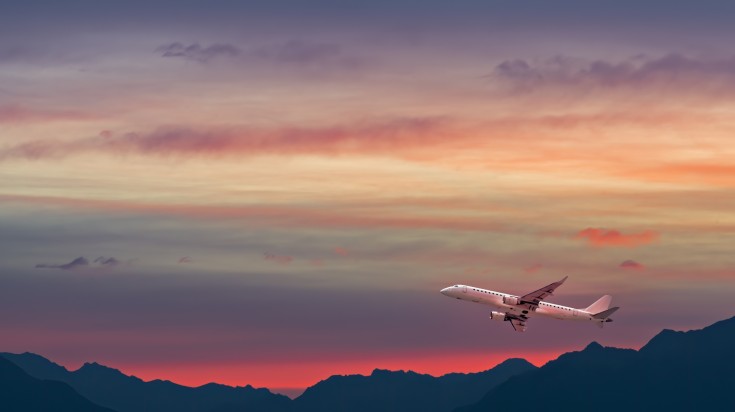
(511, 300)
(497, 316)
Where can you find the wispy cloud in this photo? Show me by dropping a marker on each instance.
(533, 268)
(675, 71)
(367, 137)
(81, 263)
(24, 114)
(632, 265)
(599, 237)
(293, 53)
(196, 52)
(282, 259)
(341, 251)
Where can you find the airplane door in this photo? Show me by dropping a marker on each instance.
(464, 289)
(576, 313)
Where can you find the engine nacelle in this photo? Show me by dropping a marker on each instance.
(511, 300)
(497, 316)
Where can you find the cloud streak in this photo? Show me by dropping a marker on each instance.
(293, 53)
(83, 263)
(24, 114)
(599, 237)
(700, 75)
(632, 265)
(368, 137)
(196, 52)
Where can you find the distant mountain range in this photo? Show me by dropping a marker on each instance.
(400, 391)
(675, 371)
(21, 392)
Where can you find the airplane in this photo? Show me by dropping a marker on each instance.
(518, 309)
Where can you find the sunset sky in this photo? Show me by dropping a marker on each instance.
(273, 192)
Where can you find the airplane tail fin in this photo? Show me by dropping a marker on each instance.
(602, 304)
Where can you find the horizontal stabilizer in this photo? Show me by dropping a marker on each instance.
(605, 313)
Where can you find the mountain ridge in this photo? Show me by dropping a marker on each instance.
(674, 370)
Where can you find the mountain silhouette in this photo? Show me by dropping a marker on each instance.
(675, 371)
(20, 392)
(389, 391)
(111, 388)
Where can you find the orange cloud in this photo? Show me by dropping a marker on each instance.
(599, 237)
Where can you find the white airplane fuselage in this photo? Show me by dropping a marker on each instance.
(497, 300)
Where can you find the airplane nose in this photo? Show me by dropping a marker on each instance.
(445, 291)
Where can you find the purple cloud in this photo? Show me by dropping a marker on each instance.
(293, 53)
(198, 53)
(81, 262)
(635, 72)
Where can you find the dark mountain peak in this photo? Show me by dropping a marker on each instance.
(19, 391)
(29, 356)
(593, 346)
(713, 340)
(377, 373)
(95, 370)
(36, 365)
(513, 362)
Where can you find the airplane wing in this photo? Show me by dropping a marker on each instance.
(534, 298)
(518, 325)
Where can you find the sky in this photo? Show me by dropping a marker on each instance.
(269, 193)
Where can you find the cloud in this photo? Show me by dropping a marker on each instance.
(341, 251)
(282, 259)
(700, 74)
(295, 53)
(301, 53)
(274, 215)
(81, 262)
(599, 237)
(632, 265)
(533, 268)
(198, 53)
(384, 136)
(23, 114)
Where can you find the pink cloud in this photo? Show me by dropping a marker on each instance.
(599, 237)
(341, 251)
(368, 137)
(533, 268)
(632, 265)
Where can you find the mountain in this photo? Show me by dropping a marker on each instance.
(112, 388)
(388, 391)
(675, 371)
(20, 392)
